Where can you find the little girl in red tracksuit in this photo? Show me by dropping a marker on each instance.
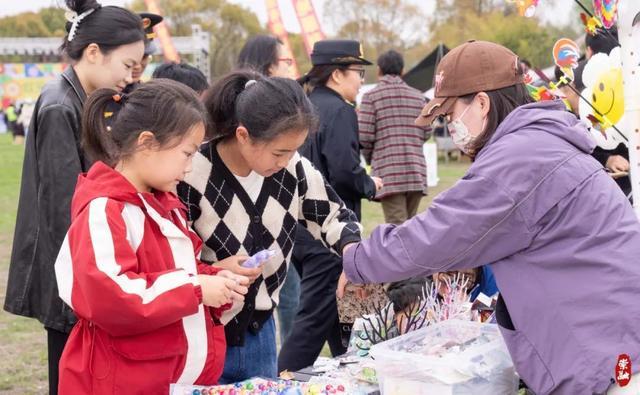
(129, 266)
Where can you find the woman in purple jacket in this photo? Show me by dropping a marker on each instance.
(561, 238)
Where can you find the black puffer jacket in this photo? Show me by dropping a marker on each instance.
(53, 160)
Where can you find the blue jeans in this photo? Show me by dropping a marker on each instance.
(289, 299)
(256, 358)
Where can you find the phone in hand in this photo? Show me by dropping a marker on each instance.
(256, 259)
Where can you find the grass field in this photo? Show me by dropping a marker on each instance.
(23, 362)
(23, 366)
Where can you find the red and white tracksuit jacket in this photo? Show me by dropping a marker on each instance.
(128, 269)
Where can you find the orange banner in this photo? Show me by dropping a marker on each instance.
(169, 51)
(276, 27)
(309, 23)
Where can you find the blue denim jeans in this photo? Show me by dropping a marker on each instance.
(256, 358)
(289, 299)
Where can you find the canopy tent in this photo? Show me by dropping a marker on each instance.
(421, 75)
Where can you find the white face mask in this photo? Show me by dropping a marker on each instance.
(460, 133)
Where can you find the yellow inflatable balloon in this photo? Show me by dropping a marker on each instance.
(608, 97)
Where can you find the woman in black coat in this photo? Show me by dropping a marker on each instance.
(54, 159)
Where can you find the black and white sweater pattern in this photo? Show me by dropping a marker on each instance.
(230, 223)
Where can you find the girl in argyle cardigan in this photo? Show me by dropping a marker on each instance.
(248, 191)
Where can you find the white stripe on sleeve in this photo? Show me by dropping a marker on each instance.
(103, 247)
(64, 271)
(195, 327)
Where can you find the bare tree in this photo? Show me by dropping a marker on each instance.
(378, 24)
(229, 24)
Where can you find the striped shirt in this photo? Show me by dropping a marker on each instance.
(390, 140)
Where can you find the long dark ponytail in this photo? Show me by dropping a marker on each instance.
(266, 106)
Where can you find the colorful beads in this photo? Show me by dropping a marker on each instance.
(265, 387)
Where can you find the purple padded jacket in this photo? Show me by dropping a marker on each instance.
(561, 239)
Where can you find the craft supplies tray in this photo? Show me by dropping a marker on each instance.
(450, 357)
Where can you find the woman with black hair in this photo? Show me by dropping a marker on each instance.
(266, 55)
(102, 44)
(334, 82)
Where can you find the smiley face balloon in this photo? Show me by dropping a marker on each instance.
(602, 77)
(607, 97)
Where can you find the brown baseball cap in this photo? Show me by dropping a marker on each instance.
(474, 66)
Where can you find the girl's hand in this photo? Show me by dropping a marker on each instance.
(234, 265)
(241, 284)
(219, 290)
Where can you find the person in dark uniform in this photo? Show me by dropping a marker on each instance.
(333, 82)
(149, 20)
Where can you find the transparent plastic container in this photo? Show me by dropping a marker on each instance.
(448, 358)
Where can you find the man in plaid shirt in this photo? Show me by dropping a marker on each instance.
(391, 142)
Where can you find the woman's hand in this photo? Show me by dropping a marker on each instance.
(345, 286)
(342, 284)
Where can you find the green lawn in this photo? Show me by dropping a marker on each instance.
(23, 366)
(449, 173)
(23, 362)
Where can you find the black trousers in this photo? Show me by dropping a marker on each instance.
(317, 317)
(56, 341)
